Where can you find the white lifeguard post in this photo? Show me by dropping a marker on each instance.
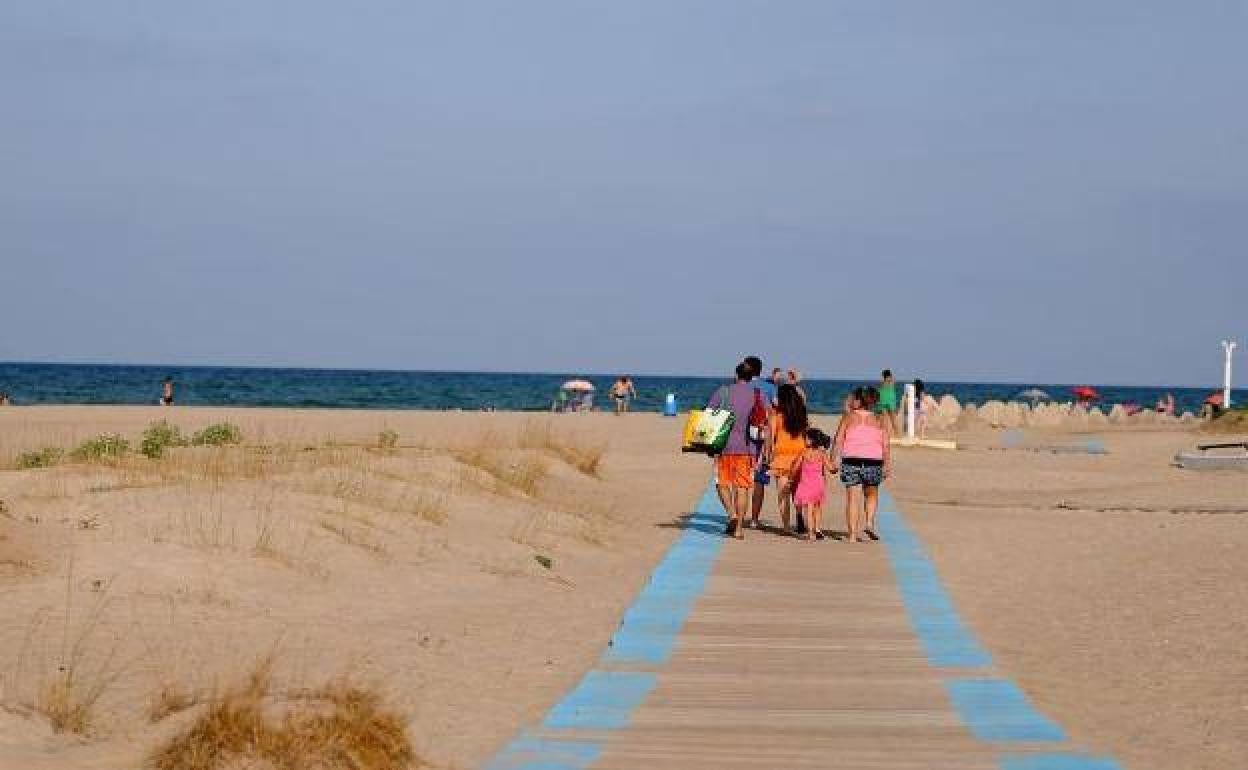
(1228, 346)
(909, 414)
(908, 411)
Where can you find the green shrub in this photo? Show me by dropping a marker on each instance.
(388, 439)
(159, 436)
(39, 458)
(100, 447)
(218, 434)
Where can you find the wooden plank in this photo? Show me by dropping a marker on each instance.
(798, 655)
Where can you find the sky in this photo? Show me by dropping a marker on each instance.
(1047, 192)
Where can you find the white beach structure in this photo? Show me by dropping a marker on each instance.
(1228, 346)
(909, 409)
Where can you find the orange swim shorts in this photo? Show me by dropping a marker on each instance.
(735, 471)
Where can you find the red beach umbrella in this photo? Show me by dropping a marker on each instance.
(1214, 399)
(1085, 393)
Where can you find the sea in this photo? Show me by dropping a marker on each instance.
(44, 383)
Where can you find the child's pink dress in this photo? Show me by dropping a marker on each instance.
(810, 486)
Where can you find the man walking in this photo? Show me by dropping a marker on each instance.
(734, 468)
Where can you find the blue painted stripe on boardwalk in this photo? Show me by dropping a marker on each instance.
(946, 640)
(1057, 762)
(648, 630)
(604, 700)
(996, 710)
(530, 753)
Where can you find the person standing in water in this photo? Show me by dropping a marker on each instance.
(166, 392)
(888, 398)
(622, 392)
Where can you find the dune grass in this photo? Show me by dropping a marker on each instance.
(584, 455)
(69, 683)
(38, 458)
(508, 470)
(339, 725)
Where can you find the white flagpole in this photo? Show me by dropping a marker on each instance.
(1229, 348)
(908, 411)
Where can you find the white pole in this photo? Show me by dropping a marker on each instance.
(1229, 347)
(908, 411)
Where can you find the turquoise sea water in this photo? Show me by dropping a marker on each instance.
(341, 388)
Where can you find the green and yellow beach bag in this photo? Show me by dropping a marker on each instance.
(686, 436)
(710, 431)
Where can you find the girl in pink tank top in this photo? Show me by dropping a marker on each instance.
(810, 480)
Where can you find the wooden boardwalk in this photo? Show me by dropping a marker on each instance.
(798, 655)
(777, 654)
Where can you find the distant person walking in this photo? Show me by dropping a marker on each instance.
(623, 392)
(4, 398)
(166, 392)
(920, 408)
(864, 458)
(777, 379)
(734, 468)
(795, 379)
(786, 440)
(888, 398)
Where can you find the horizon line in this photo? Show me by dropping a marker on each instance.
(577, 373)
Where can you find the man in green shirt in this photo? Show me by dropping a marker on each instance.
(888, 397)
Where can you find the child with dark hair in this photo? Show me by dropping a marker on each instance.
(809, 480)
(785, 443)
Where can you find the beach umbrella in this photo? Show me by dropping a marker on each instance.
(1033, 395)
(582, 385)
(1214, 399)
(1085, 393)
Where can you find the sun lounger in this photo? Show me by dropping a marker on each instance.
(1204, 460)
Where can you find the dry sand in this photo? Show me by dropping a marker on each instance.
(1123, 620)
(187, 570)
(1098, 587)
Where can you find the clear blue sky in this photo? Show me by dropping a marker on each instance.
(1047, 191)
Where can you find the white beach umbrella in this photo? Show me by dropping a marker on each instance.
(582, 385)
(1034, 395)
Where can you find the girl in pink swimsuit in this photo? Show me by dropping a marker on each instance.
(809, 478)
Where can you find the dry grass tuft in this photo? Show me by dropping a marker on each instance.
(509, 472)
(68, 688)
(585, 456)
(431, 508)
(355, 536)
(338, 726)
(170, 699)
(1230, 421)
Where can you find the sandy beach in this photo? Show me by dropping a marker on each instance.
(472, 571)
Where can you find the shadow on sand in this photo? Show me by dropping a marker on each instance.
(696, 520)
